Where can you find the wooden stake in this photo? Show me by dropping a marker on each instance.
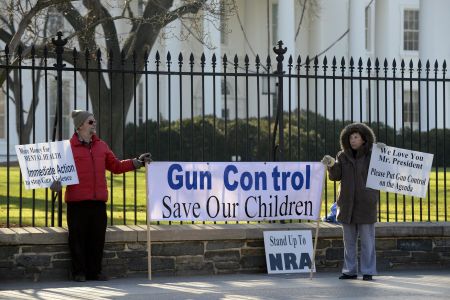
(149, 248)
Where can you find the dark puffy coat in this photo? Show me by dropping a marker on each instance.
(91, 162)
(356, 204)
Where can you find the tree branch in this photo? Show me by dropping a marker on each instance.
(156, 16)
(77, 21)
(5, 36)
(28, 17)
(191, 8)
(104, 18)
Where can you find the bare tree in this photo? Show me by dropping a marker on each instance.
(93, 27)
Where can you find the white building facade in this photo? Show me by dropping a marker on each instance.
(406, 30)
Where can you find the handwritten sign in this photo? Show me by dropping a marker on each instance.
(43, 163)
(399, 171)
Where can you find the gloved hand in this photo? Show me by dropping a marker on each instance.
(56, 186)
(145, 157)
(142, 160)
(328, 161)
(381, 145)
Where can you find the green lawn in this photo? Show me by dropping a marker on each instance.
(21, 213)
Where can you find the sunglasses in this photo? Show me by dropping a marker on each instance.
(90, 122)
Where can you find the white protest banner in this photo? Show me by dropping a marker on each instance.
(399, 171)
(43, 163)
(235, 191)
(288, 251)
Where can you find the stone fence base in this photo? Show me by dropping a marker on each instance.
(42, 253)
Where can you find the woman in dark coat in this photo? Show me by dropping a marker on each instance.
(356, 204)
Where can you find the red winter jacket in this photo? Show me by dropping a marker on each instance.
(92, 161)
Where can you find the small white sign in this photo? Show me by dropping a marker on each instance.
(399, 171)
(289, 251)
(43, 163)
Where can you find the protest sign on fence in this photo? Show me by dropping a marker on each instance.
(399, 171)
(43, 163)
(235, 191)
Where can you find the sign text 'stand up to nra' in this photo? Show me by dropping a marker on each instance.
(288, 251)
(399, 171)
(43, 163)
(238, 191)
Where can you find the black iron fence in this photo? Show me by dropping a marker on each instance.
(214, 109)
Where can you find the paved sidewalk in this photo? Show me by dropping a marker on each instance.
(392, 285)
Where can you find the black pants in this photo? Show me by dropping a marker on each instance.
(87, 228)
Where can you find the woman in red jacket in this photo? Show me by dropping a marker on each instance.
(86, 201)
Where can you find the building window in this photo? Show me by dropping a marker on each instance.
(141, 103)
(2, 115)
(225, 113)
(66, 109)
(141, 7)
(274, 23)
(411, 30)
(55, 21)
(411, 108)
(367, 28)
(225, 88)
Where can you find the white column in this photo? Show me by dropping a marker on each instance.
(386, 43)
(356, 49)
(174, 46)
(286, 33)
(212, 46)
(433, 28)
(433, 45)
(286, 25)
(356, 41)
(384, 23)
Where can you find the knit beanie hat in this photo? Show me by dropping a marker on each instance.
(79, 116)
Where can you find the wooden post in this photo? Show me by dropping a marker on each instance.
(314, 250)
(149, 248)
